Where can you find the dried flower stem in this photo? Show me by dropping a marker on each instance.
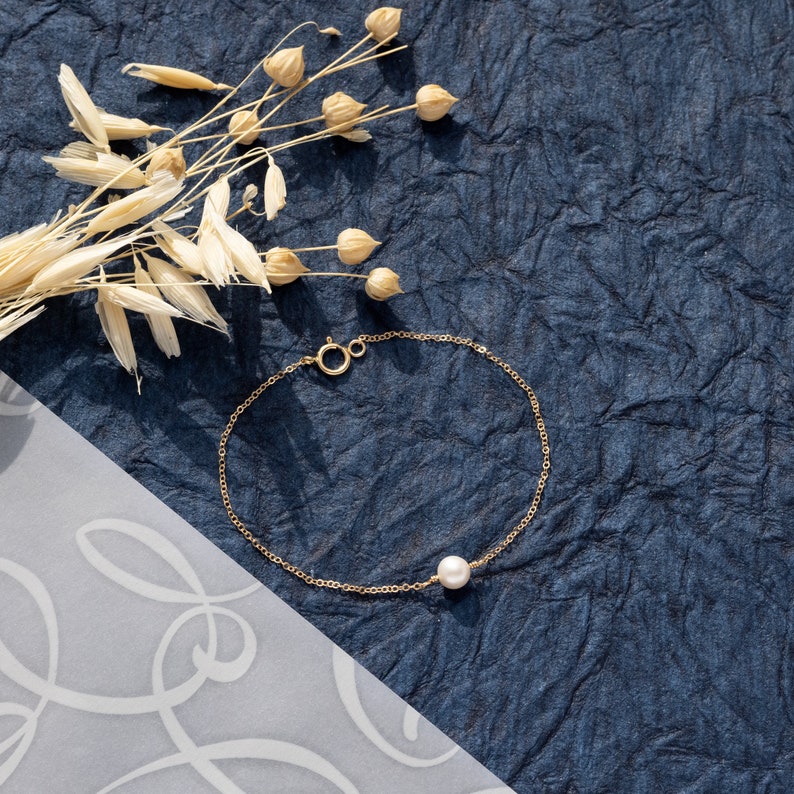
(363, 59)
(341, 58)
(313, 248)
(343, 275)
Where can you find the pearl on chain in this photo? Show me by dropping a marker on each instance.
(453, 572)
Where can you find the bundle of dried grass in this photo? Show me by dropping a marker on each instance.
(131, 214)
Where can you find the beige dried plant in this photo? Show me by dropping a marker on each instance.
(136, 210)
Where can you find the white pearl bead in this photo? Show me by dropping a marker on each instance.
(453, 572)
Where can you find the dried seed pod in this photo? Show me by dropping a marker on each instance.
(382, 283)
(341, 110)
(286, 66)
(283, 266)
(171, 160)
(244, 125)
(384, 23)
(433, 102)
(354, 246)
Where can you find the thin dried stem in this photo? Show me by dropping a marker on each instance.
(310, 248)
(342, 57)
(363, 59)
(345, 275)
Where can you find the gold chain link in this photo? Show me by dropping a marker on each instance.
(360, 343)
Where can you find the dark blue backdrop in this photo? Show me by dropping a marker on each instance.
(610, 208)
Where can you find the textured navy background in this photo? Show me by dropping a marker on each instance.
(610, 208)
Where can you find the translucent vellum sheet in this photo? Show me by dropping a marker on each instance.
(135, 656)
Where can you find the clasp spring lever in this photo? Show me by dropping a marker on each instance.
(355, 349)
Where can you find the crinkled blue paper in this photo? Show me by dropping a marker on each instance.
(609, 208)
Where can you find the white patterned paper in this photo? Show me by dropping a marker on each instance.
(136, 657)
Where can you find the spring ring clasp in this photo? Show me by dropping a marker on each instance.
(355, 349)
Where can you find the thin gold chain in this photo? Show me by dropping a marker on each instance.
(356, 348)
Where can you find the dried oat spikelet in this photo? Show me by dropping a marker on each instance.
(17, 244)
(16, 319)
(244, 126)
(23, 255)
(216, 257)
(283, 266)
(170, 159)
(433, 102)
(356, 135)
(355, 245)
(131, 208)
(117, 330)
(341, 110)
(218, 239)
(286, 66)
(382, 283)
(275, 189)
(384, 23)
(249, 194)
(179, 289)
(161, 326)
(226, 251)
(137, 300)
(183, 251)
(121, 128)
(76, 265)
(244, 257)
(88, 164)
(83, 110)
(173, 77)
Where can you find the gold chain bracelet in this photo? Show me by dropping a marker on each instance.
(453, 572)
